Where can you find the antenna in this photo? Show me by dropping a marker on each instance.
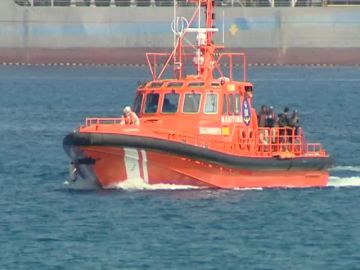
(204, 58)
(174, 36)
(198, 52)
(223, 27)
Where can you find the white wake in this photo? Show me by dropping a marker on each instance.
(139, 184)
(81, 184)
(352, 181)
(345, 168)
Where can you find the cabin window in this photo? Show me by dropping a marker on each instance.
(231, 104)
(41, 3)
(170, 104)
(237, 104)
(22, 2)
(196, 84)
(175, 84)
(152, 101)
(191, 103)
(225, 108)
(155, 84)
(142, 85)
(211, 103)
(138, 102)
(215, 84)
(248, 88)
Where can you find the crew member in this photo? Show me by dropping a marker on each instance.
(271, 121)
(270, 118)
(262, 116)
(283, 123)
(264, 133)
(129, 117)
(294, 122)
(283, 120)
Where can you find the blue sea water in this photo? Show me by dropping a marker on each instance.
(45, 224)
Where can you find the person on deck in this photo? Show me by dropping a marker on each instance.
(271, 122)
(264, 134)
(283, 120)
(294, 122)
(129, 117)
(262, 116)
(270, 118)
(283, 123)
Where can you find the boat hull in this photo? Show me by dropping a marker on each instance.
(158, 162)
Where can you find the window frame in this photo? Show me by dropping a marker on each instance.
(142, 94)
(163, 100)
(231, 104)
(225, 109)
(184, 99)
(237, 97)
(175, 84)
(148, 94)
(217, 102)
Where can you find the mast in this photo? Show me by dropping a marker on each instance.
(204, 54)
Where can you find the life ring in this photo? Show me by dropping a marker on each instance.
(251, 141)
(243, 138)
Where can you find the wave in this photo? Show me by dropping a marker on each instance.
(340, 176)
(345, 168)
(139, 184)
(81, 184)
(242, 189)
(352, 181)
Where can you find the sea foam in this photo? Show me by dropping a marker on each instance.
(352, 181)
(139, 184)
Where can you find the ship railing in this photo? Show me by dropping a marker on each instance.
(159, 62)
(264, 142)
(285, 142)
(103, 121)
(207, 142)
(156, 60)
(230, 63)
(184, 3)
(282, 143)
(200, 141)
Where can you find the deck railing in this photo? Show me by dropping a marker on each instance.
(266, 142)
(286, 142)
(164, 3)
(103, 121)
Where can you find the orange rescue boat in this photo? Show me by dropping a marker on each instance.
(198, 129)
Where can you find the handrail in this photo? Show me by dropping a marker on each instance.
(102, 121)
(282, 142)
(169, 3)
(230, 56)
(153, 64)
(277, 140)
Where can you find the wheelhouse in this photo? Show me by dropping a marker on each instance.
(218, 97)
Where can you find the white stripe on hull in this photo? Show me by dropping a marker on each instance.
(131, 160)
(132, 164)
(144, 165)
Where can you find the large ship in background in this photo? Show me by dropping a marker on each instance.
(118, 31)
